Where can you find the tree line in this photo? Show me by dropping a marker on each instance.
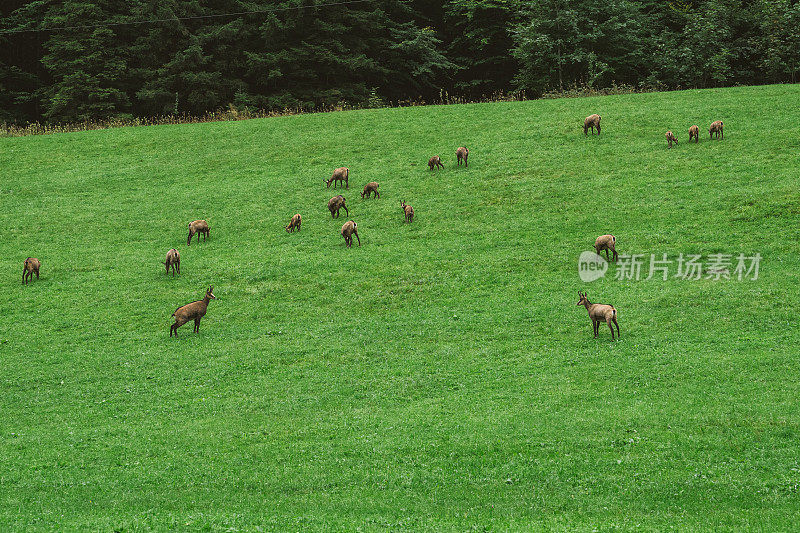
(77, 60)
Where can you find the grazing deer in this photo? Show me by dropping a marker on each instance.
(435, 162)
(461, 155)
(598, 313)
(173, 260)
(193, 311)
(349, 229)
(671, 139)
(294, 223)
(341, 174)
(592, 121)
(30, 268)
(716, 130)
(370, 188)
(694, 132)
(408, 210)
(606, 242)
(335, 204)
(200, 227)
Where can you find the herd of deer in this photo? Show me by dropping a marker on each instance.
(715, 131)
(197, 310)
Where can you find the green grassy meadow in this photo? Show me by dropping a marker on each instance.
(439, 377)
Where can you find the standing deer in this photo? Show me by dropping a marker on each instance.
(193, 311)
(435, 162)
(592, 121)
(173, 260)
(335, 204)
(349, 229)
(461, 155)
(716, 130)
(606, 242)
(671, 139)
(341, 174)
(30, 268)
(370, 188)
(694, 132)
(294, 223)
(408, 210)
(598, 313)
(200, 227)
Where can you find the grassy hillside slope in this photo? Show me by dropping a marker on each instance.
(438, 377)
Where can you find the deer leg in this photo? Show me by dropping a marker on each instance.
(197, 325)
(23, 276)
(611, 328)
(615, 323)
(172, 329)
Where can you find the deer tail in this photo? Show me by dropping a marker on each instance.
(613, 312)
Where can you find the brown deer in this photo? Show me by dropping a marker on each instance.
(200, 227)
(606, 242)
(716, 130)
(435, 162)
(193, 311)
(598, 313)
(294, 223)
(694, 132)
(408, 210)
(349, 229)
(461, 155)
(671, 139)
(592, 121)
(335, 204)
(370, 188)
(341, 174)
(30, 268)
(173, 260)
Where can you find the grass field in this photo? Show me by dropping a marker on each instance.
(438, 377)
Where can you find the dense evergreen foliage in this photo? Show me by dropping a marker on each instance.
(96, 59)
